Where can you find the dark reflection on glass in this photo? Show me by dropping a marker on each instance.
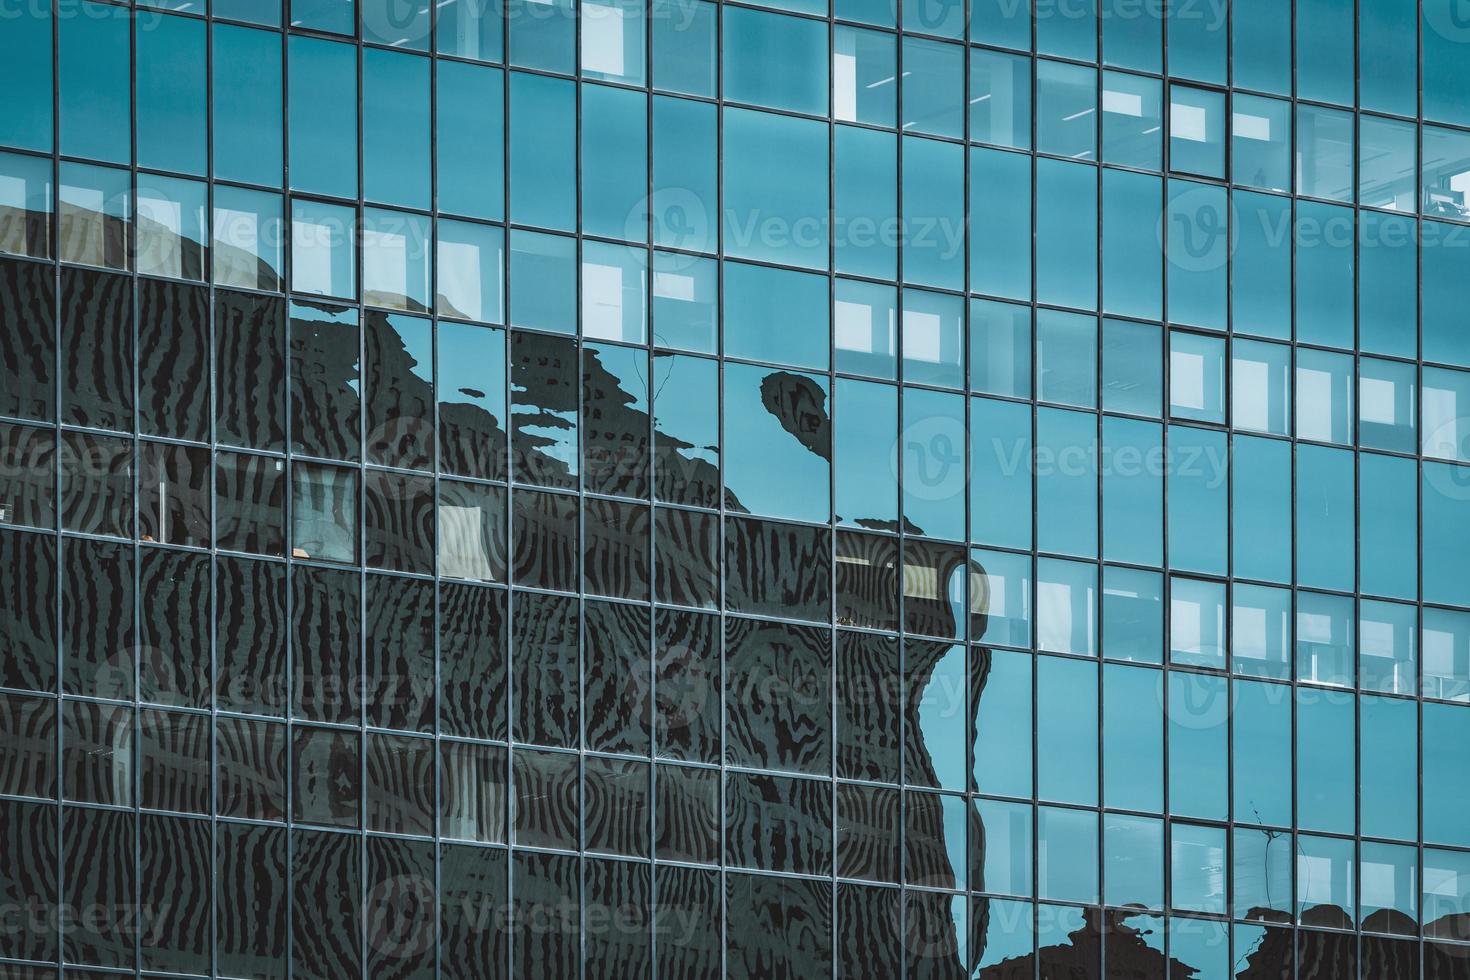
(174, 878)
(1261, 953)
(27, 746)
(869, 706)
(1444, 962)
(400, 784)
(686, 544)
(250, 370)
(327, 784)
(618, 932)
(686, 402)
(28, 870)
(779, 695)
(250, 636)
(868, 943)
(617, 806)
(324, 512)
(250, 880)
(400, 390)
(1068, 943)
(1002, 939)
(545, 555)
(400, 908)
(326, 877)
(325, 637)
(471, 880)
(778, 823)
(546, 915)
(27, 340)
(99, 872)
(96, 484)
(934, 589)
(615, 543)
(472, 400)
(173, 494)
(96, 349)
(398, 518)
(173, 359)
(1326, 954)
(98, 635)
(472, 656)
(1390, 959)
(937, 724)
(28, 611)
(778, 444)
(547, 811)
(615, 418)
(867, 832)
(543, 412)
(687, 689)
(250, 769)
(777, 569)
(250, 503)
(325, 387)
(934, 935)
(618, 678)
(867, 580)
(935, 829)
(472, 535)
(472, 791)
(173, 761)
(777, 927)
(399, 670)
(27, 476)
(546, 672)
(687, 814)
(686, 923)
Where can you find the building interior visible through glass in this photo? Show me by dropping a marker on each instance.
(678, 490)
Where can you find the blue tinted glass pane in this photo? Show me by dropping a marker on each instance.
(171, 95)
(933, 454)
(684, 46)
(93, 83)
(543, 151)
(94, 209)
(1324, 275)
(1066, 607)
(1326, 760)
(1260, 386)
(1387, 637)
(1196, 377)
(266, 12)
(686, 405)
(865, 183)
(933, 86)
(1446, 752)
(1324, 396)
(1446, 496)
(1444, 423)
(1198, 39)
(1000, 473)
(1388, 769)
(1000, 216)
(1066, 234)
(1133, 491)
(323, 116)
(933, 338)
(247, 105)
(470, 29)
(1261, 874)
(1066, 867)
(1446, 891)
(395, 134)
(1003, 723)
(1446, 652)
(774, 60)
(1131, 270)
(1198, 253)
(1066, 482)
(1260, 281)
(614, 291)
(1000, 348)
(685, 301)
(1260, 142)
(1004, 23)
(1198, 780)
(402, 24)
(1198, 495)
(1324, 639)
(776, 177)
(1387, 43)
(1260, 631)
(865, 328)
(1196, 131)
(1445, 291)
(775, 315)
(1389, 874)
(1261, 45)
(864, 77)
(614, 162)
(543, 34)
(775, 457)
(1386, 163)
(1004, 594)
(1000, 98)
(1196, 866)
(1133, 615)
(1005, 865)
(1069, 30)
(866, 428)
(1203, 946)
(685, 198)
(1262, 753)
(543, 281)
(1066, 117)
(25, 75)
(943, 17)
(1324, 518)
(1324, 53)
(470, 283)
(1324, 153)
(470, 134)
(1196, 622)
(396, 260)
(933, 213)
(173, 223)
(1132, 357)
(1446, 72)
(323, 247)
(249, 238)
(1132, 34)
(1133, 738)
(1386, 283)
(612, 40)
(1132, 121)
(1388, 533)
(1133, 861)
(337, 16)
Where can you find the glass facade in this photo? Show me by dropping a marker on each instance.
(661, 488)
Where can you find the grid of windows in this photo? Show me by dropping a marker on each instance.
(628, 488)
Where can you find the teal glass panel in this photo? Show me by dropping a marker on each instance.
(776, 176)
(171, 95)
(470, 134)
(1133, 738)
(1133, 491)
(1198, 490)
(614, 162)
(1198, 762)
(1000, 473)
(246, 91)
(323, 116)
(776, 315)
